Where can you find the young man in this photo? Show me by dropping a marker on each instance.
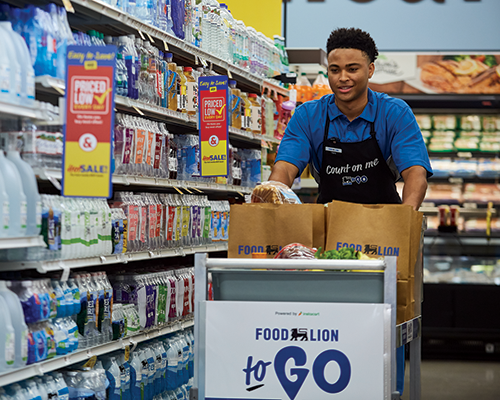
(358, 142)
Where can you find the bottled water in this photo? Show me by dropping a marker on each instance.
(30, 187)
(10, 69)
(18, 324)
(121, 80)
(113, 374)
(62, 388)
(7, 338)
(17, 197)
(25, 75)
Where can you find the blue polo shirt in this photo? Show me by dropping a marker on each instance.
(397, 132)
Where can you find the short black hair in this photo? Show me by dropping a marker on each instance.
(352, 38)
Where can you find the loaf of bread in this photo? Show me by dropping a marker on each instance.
(275, 193)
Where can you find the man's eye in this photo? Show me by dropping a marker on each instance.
(353, 69)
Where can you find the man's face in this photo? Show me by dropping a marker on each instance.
(348, 74)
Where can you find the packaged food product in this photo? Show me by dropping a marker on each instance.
(470, 123)
(444, 122)
(296, 250)
(491, 123)
(424, 121)
(489, 146)
(468, 144)
(274, 192)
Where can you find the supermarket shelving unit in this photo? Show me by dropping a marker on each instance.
(95, 14)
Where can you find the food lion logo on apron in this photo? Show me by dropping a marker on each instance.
(349, 180)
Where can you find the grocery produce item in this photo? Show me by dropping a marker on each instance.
(274, 192)
(345, 253)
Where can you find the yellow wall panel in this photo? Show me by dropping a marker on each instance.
(263, 15)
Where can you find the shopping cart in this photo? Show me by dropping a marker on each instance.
(272, 331)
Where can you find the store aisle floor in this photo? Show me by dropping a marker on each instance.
(458, 380)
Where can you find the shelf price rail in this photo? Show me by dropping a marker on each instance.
(68, 264)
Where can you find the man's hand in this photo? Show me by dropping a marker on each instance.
(415, 186)
(284, 172)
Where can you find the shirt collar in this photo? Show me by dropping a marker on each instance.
(368, 113)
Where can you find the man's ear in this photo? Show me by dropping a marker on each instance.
(371, 70)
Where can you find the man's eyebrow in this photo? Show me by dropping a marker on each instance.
(347, 65)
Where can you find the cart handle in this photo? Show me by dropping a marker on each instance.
(335, 265)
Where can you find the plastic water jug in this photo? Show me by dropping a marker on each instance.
(7, 338)
(17, 320)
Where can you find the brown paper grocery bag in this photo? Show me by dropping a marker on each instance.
(381, 230)
(267, 228)
(376, 229)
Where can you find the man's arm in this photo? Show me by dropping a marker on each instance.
(415, 185)
(284, 172)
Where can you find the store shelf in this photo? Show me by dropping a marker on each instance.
(459, 180)
(69, 264)
(463, 154)
(268, 83)
(245, 135)
(38, 369)
(451, 103)
(9, 110)
(186, 187)
(48, 84)
(21, 242)
(145, 109)
(465, 212)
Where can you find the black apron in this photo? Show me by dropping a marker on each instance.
(355, 172)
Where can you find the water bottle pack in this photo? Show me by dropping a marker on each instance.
(76, 227)
(158, 369)
(94, 320)
(49, 386)
(157, 298)
(46, 35)
(38, 323)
